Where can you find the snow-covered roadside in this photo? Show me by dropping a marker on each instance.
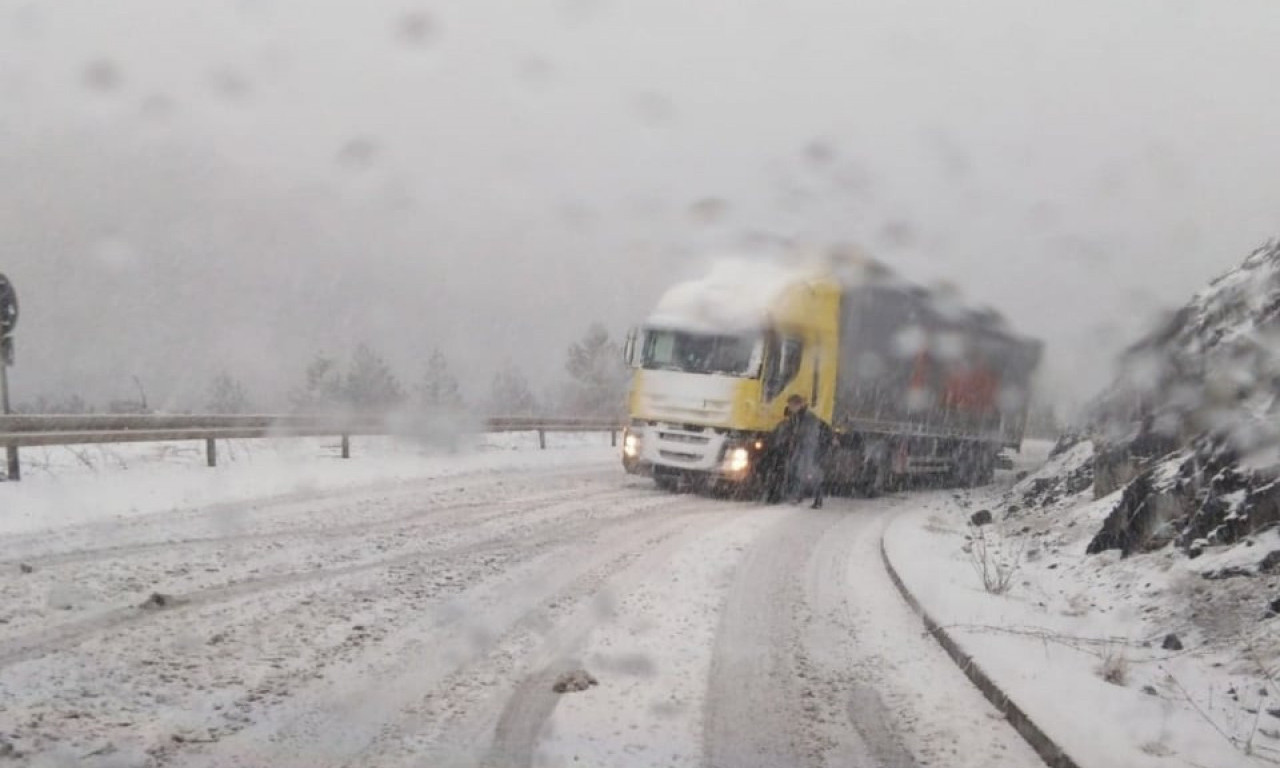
(68, 486)
(1077, 642)
(656, 647)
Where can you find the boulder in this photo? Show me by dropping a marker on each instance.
(980, 518)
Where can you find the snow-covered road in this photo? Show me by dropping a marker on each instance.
(426, 623)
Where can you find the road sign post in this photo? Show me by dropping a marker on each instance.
(8, 321)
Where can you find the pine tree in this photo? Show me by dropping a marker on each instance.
(439, 390)
(599, 374)
(510, 394)
(227, 396)
(370, 384)
(323, 390)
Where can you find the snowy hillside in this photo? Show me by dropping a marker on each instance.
(1199, 396)
(1170, 508)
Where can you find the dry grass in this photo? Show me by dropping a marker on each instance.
(1114, 668)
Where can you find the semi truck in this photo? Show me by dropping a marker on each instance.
(914, 384)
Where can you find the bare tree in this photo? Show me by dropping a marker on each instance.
(510, 395)
(227, 396)
(371, 385)
(323, 388)
(599, 376)
(439, 389)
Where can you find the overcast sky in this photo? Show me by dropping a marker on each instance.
(191, 186)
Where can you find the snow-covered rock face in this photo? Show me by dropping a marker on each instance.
(1191, 428)
(1214, 367)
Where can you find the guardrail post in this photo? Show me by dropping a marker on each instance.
(542, 439)
(346, 446)
(14, 472)
(211, 451)
(613, 438)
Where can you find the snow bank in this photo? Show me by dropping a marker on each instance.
(1079, 644)
(71, 485)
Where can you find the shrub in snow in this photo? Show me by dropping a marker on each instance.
(1115, 667)
(995, 556)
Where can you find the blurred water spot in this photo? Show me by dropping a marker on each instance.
(869, 366)
(101, 75)
(578, 216)
(820, 152)
(229, 85)
(27, 21)
(116, 254)
(274, 59)
(358, 153)
(581, 10)
(853, 178)
(653, 107)
(758, 239)
(481, 639)
(604, 605)
(910, 341)
(956, 165)
(950, 346)
(450, 612)
(68, 597)
(631, 664)
(535, 69)
(919, 399)
(898, 234)
(397, 195)
(708, 210)
(415, 29)
(157, 106)
(1042, 214)
(667, 709)
(1011, 398)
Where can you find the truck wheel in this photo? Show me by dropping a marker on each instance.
(668, 483)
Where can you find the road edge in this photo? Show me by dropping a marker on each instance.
(1049, 750)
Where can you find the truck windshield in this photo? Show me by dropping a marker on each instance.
(703, 353)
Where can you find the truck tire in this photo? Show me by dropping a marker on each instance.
(668, 483)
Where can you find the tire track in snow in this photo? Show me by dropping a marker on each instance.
(216, 518)
(818, 661)
(756, 710)
(526, 711)
(373, 712)
(34, 645)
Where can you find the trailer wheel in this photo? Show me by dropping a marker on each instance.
(975, 467)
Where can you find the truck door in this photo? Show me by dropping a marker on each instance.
(786, 355)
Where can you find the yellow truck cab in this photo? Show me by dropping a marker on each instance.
(715, 364)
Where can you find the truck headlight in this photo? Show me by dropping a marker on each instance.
(631, 446)
(738, 460)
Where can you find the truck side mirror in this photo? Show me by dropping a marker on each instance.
(629, 348)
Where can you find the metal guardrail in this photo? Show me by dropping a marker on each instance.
(32, 431)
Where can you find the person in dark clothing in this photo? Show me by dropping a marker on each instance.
(776, 463)
(806, 438)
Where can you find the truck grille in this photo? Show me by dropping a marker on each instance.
(676, 437)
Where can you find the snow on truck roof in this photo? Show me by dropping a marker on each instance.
(738, 293)
(735, 295)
